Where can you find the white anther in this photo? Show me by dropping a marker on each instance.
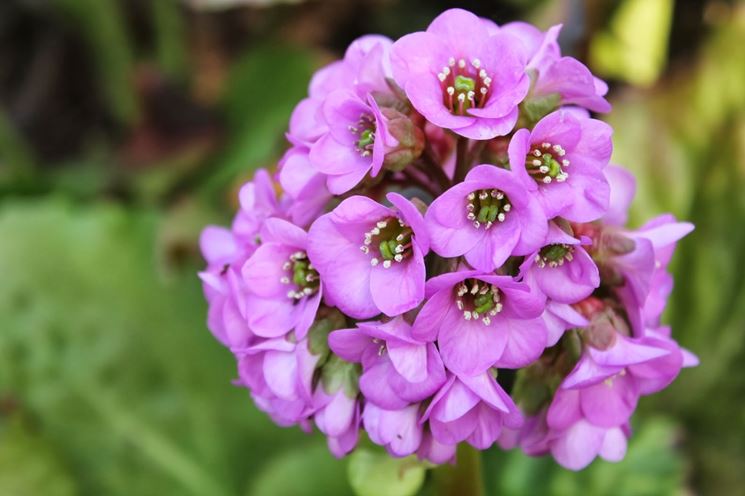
(483, 195)
(500, 195)
(375, 231)
(543, 169)
(286, 266)
(507, 207)
(471, 94)
(487, 81)
(462, 97)
(467, 315)
(475, 288)
(451, 61)
(476, 224)
(461, 63)
(475, 315)
(382, 224)
(307, 291)
(364, 249)
(562, 152)
(565, 163)
(569, 257)
(488, 224)
(546, 145)
(441, 77)
(470, 207)
(399, 249)
(374, 261)
(284, 280)
(450, 90)
(476, 63)
(493, 193)
(446, 70)
(471, 196)
(500, 217)
(486, 320)
(483, 90)
(386, 264)
(400, 237)
(557, 148)
(537, 162)
(459, 304)
(537, 153)
(291, 294)
(482, 74)
(398, 258)
(498, 307)
(470, 216)
(547, 180)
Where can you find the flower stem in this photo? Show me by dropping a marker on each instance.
(462, 478)
(462, 162)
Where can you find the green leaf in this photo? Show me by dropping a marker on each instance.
(29, 465)
(303, 471)
(373, 473)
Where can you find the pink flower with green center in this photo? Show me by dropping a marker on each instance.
(481, 321)
(371, 257)
(461, 76)
(486, 218)
(561, 161)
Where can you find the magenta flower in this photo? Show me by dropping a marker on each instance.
(565, 77)
(279, 374)
(481, 321)
(488, 217)
(562, 161)
(283, 289)
(471, 409)
(562, 269)
(355, 143)
(258, 201)
(399, 431)
(304, 184)
(461, 76)
(434, 451)
(338, 417)
(363, 70)
(371, 257)
(398, 369)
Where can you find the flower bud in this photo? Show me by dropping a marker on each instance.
(410, 140)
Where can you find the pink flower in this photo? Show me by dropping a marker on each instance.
(488, 217)
(462, 76)
(481, 321)
(371, 257)
(561, 160)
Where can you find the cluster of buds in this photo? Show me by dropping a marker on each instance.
(441, 255)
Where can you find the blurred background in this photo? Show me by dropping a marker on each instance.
(127, 125)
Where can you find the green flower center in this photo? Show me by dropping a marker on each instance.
(388, 242)
(545, 164)
(364, 129)
(301, 274)
(554, 255)
(478, 300)
(484, 207)
(464, 85)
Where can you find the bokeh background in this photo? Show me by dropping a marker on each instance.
(126, 126)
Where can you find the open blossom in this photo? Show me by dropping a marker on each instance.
(371, 257)
(562, 269)
(471, 409)
(481, 321)
(398, 369)
(355, 143)
(562, 161)
(283, 289)
(398, 430)
(363, 70)
(487, 218)
(461, 76)
(566, 78)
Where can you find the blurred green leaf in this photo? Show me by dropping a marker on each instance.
(29, 466)
(170, 37)
(303, 471)
(372, 473)
(634, 49)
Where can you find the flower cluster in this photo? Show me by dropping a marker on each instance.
(441, 256)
